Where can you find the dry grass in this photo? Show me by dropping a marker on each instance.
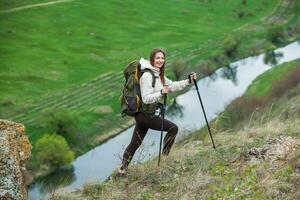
(196, 171)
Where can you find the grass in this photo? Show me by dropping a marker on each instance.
(258, 161)
(9, 4)
(264, 83)
(69, 57)
(53, 44)
(196, 171)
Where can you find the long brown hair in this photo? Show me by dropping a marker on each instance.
(162, 69)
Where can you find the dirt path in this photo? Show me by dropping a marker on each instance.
(34, 5)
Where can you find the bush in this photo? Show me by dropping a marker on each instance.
(65, 124)
(241, 14)
(276, 35)
(240, 109)
(53, 150)
(230, 46)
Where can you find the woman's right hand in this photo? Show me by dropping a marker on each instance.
(165, 90)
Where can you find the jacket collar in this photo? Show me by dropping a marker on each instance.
(145, 64)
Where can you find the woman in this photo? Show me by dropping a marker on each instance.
(151, 96)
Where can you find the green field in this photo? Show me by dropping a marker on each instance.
(67, 59)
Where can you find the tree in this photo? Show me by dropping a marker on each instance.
(53, 150)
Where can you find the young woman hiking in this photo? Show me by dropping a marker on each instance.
(151, 96)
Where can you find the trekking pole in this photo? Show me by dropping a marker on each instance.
(212, 140)
(162, 126)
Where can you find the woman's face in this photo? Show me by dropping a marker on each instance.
(159, 59)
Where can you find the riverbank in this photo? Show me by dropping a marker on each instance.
(256, 158)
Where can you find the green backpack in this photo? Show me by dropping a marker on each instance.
(131, 100)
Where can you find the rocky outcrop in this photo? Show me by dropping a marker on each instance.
(15, 149)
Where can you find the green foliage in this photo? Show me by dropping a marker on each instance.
(276, 35)
(63, 123)
(230, 46)
(53, 150)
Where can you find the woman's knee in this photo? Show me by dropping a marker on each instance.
(173, 129)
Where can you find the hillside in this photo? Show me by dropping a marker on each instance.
(256, 158)
(61, 64)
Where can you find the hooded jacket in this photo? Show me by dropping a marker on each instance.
(152, 94)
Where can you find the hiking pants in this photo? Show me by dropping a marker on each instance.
(143, 123)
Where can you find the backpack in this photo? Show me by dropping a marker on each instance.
(131, 100)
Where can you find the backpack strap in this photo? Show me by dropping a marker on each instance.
(153, 75)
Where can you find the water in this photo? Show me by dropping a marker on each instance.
(216, 91)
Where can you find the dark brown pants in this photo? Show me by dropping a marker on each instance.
(143, 123)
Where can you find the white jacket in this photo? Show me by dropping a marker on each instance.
(150, 94)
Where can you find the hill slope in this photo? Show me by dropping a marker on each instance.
(259, 158)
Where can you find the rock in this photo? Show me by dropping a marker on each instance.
(15, 150)
(275, 149)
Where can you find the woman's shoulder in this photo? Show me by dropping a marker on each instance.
(146, 75)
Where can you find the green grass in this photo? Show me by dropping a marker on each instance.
(262, 85)
(9, 4)
(70, 56)
(59, 47)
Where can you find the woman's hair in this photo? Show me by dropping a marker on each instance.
(162, 69)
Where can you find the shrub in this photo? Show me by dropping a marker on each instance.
(230, 46)
(240, 109)
(53, 150)
(241, 14)
(63, 123)
(276, 35)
